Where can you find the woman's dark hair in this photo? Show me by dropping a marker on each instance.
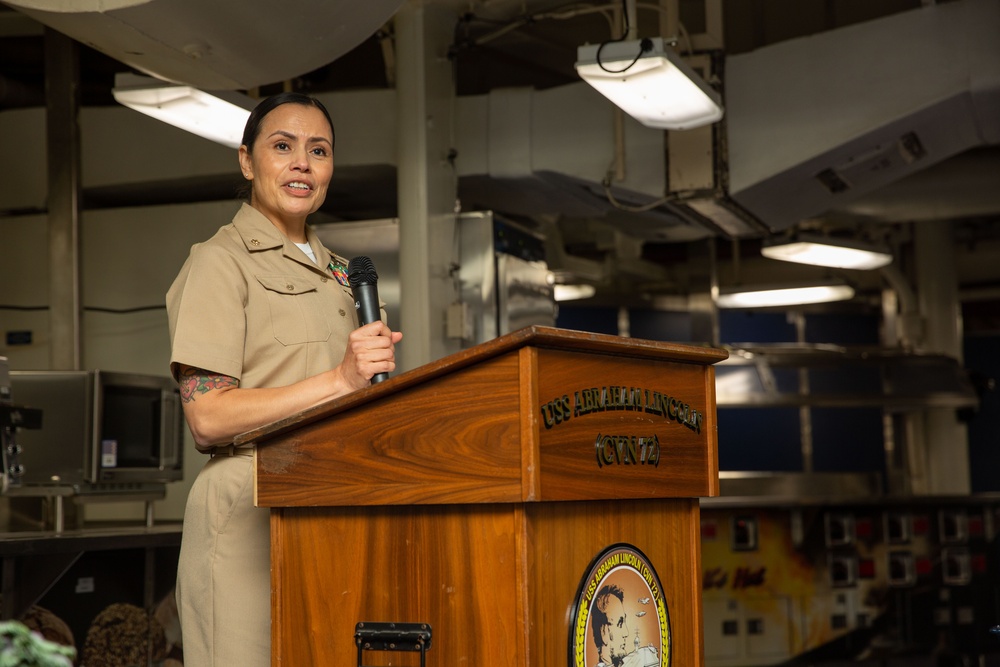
(252, 129)
(266, 106)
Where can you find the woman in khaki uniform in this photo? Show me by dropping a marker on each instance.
(262, 326)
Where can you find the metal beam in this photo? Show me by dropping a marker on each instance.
(427, 184)
(62, 90)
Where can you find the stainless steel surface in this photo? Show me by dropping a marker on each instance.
(66, 400)
(23, 509)
(4, 380)
(81, 445)
(377, 239)
(805, 414)
(477, 275)
(526, 297)
(502, 292)
(873, 377)
(903, 385)
(8, 442)
(742, 487)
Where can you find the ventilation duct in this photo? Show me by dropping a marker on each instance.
(224, 45)
(815, 123)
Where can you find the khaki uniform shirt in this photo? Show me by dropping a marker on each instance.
(250, 304)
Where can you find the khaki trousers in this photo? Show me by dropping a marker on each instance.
(224, 571)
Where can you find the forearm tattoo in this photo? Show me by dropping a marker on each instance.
(194, 381)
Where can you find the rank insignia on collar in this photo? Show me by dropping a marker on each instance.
(339, 272)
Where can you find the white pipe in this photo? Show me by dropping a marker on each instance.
(937, 295)
(411, 102)
(632, 19)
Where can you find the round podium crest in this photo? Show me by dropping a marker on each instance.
(620, 617)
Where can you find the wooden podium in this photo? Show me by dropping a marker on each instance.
(472, 495)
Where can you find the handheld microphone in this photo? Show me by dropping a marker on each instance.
(364, 287)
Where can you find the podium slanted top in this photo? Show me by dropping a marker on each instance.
(535, 415)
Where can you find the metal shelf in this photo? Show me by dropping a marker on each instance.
(771, 375)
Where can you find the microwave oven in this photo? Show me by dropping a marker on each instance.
(100, 430)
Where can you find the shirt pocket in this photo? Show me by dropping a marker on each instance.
(297, 314)
(352, 311)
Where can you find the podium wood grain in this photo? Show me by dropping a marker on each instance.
(496, 582)
(445, 496)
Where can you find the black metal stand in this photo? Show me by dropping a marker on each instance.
(392, 637)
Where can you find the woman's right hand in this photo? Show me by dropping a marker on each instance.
(218, 409)
(371, 349)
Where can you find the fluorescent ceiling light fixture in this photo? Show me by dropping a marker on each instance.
(218, 115)
(573, 292)
(650, 82)
(823, 251)
(769, 296)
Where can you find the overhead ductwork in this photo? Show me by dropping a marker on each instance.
(815, 123)
(554, 152)
(223, 45)
(812, 125)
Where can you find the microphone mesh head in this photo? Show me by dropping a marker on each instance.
(361, 271)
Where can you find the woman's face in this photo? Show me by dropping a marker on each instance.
(291, 164)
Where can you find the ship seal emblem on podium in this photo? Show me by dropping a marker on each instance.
(620, 618)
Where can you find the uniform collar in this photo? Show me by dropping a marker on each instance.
(259, 233)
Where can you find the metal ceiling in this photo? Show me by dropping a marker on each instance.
(498, 43)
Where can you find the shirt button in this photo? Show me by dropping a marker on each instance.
(254, 242)
(289, 286)
(342, 313)
(323, 279)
